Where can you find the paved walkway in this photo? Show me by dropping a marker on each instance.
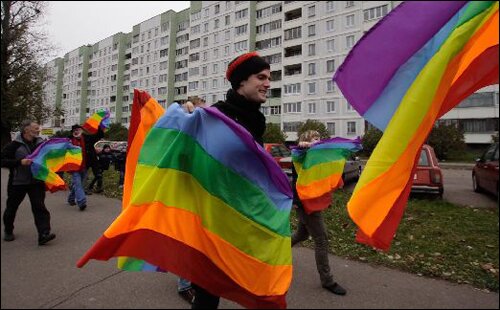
(42, 277)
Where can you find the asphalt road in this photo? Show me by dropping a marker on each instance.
(458, 189)
(46, 277)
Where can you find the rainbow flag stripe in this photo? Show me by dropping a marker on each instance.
(210, 205)
(320, 169)
(98, 119)
(415, 65)
(55, 155)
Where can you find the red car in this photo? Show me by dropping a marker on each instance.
(281, 154)
(485, 172)
(428, 178)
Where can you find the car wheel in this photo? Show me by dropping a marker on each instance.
(475, 184)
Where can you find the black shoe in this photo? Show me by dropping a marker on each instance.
(187, 295)
(336, 289)
(45, 238)
(72, 203)
(8, 237)
(98, 191)
(88, 192)
(82, 207)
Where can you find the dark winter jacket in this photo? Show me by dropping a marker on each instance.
(105, 160)
(11, 156)
(245, 113)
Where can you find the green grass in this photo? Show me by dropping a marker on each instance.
(434, 239)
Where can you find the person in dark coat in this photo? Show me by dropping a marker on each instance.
(250, 76)
(103, 161)
(77, 194)
(21, 182)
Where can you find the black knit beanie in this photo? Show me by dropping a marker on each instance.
(243, 66)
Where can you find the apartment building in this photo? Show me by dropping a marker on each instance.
(176, 55)
(53, 90)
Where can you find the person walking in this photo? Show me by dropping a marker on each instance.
(249, 75)
(77, 194)
(103, 161)
(21, 182)
(313, 224)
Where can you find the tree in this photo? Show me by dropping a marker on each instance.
(370, 140)
(447, 141)
(314, 125)
(116, 132)
(22, 52)
(274, 134)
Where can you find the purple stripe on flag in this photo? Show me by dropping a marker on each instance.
(376, 57)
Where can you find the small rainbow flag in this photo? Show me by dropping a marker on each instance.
(319, 169)
(55, 155)
(416, 64)
(98, 119)
(208, 204)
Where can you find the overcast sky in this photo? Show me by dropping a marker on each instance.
(71, 24)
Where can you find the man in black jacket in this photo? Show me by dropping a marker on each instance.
(250, 76)
(21, 182)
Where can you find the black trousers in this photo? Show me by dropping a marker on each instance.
(97, 172)
(36, 194)
(203, 299)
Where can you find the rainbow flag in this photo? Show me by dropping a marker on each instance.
(319, 169)
(415, 65)
(98, 119)
(55, 155)
(210, 205)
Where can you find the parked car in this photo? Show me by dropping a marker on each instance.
(281, 154)
(485, 172)
(116, 146)
(428, 178)
(352, 169)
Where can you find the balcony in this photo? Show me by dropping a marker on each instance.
(293, 14)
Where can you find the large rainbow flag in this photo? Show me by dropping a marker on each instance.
(416, 64)
(208, 204)
(55, 155)
(98, 119)
(319, 169)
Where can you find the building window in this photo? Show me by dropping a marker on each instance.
(330, 107)
(330, 65)
(312, 69)
(311, 30)
(311, 11)
(292, 107)
(331, 128)
(375, 13)
(330, 45)
(330, 6)
(349, 21)
(311, 88)
(351, 128)
(330, 25)
(349, 107)
(312, 107)
(330, 86)
(311, 49)
(349, 42)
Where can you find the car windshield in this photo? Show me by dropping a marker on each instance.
(423, 160)
(280, 151)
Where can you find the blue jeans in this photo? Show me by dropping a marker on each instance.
(183, 284)
(77, 191)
